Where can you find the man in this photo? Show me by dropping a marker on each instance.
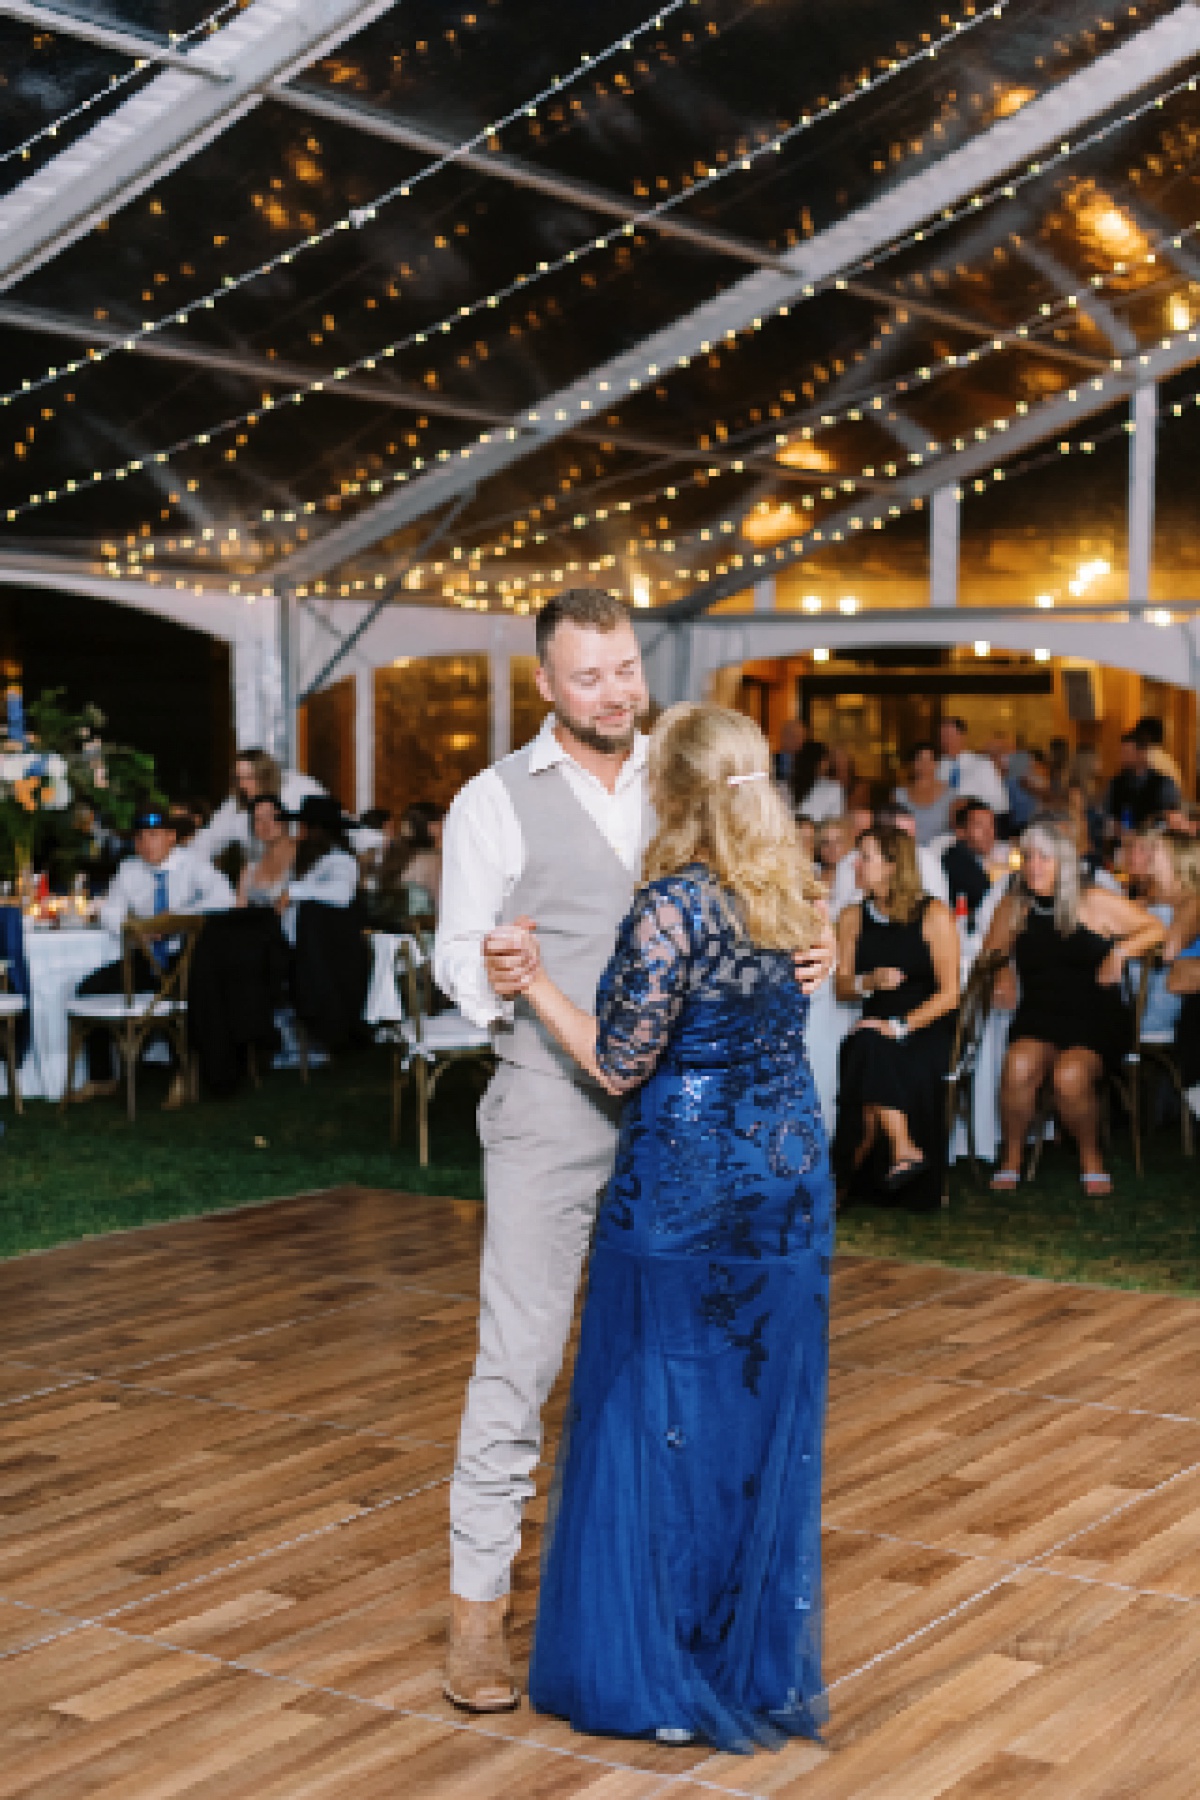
(554, 834)
(968, 773)
(1139, 793)
(254, 773)
(966, 860)
(1153, 733)
(792, 738)
(161, 877)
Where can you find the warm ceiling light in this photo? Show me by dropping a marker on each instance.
(1179, 312)
(769, 522)
(1108, 227)
(1041, 656)
(848, 603)
(982, 647)
(802, 453)
(1159, 616)
(811, 603)
(639, 588)
(820, 656)
(1045, 601)
(1013, 99)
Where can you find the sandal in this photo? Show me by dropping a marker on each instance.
(906, 1170)
(1098, 1185)
(1005, 1180)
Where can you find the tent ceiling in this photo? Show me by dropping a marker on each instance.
(176, 183)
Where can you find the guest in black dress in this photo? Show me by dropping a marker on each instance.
(1068, 947)
(898, 953)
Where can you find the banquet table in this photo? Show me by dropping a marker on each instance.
(57, 961)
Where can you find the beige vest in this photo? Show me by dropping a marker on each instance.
(577, 889)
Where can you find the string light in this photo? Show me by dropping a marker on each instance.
(298, 395)
(355, 218)
(52, 128)
(998, 341)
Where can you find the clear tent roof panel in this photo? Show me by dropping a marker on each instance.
(277, 174)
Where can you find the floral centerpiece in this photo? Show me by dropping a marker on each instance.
(63, 788)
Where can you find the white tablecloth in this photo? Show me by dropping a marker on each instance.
(58, 962)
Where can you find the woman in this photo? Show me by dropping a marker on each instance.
(927, 796)
(898, 953)
(814, 792)
(325, 868)
(262, 882)
(410, 871)
(680, 1583)
(1068, 948)
(1171, 893)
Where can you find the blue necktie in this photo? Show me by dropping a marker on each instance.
(955, 777)
(160, 950)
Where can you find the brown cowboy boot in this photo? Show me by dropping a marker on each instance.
(479, 1676)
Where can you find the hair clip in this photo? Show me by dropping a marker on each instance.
(754, 775)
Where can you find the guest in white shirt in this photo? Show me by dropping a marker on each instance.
(967, 773)
(814, 792)
(254, 774)
(326, 868)
(160, 878)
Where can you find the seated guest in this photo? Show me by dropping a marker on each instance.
(845, 890)
(1184, 982)
(161, 877)
(189, 817)
(325, 868)
(967, 773)
(966, 860)
(792, 738)
(813, 790)
(1068, 948)
(254, 773)
(1170, 890)
(898, 953)
(927, 796)
(408, 877)
(1139, 793)
(1027, 783)
(263, 880)
(321, 918)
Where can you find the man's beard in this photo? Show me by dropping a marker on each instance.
(606, 742)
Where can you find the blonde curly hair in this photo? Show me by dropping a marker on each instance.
(742, 830)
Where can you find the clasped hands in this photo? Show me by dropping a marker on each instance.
(512, 960)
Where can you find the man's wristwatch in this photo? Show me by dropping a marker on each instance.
(900, 1030)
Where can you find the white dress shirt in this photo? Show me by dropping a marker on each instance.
(333, 880)
(826, 799)
(193, 886)
(976, 777)
(230, 824)
(483, 857)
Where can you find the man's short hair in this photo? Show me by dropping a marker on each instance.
(958, 723)
(958, 812)
(972, 804)
(1149, 732)
(594, 608)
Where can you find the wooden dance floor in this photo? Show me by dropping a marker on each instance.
(224, 1450)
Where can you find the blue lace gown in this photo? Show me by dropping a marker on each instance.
(681, 1574)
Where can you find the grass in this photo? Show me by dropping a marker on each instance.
(70, 1175)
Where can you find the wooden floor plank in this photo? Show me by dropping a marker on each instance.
(224, 1453)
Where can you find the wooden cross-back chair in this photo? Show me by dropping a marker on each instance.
(134, 1015)
(974, 1006)
(428, 1043)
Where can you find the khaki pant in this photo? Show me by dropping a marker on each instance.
(548, 1153)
